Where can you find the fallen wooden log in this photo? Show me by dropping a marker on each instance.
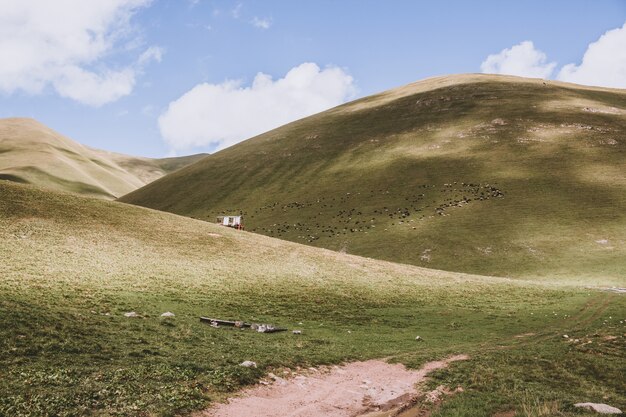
(229, 323)
(261, 328)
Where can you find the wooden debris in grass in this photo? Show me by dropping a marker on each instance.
(261, 328)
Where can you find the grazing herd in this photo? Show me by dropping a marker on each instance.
(341, 215)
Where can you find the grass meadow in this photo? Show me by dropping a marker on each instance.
(72, 266)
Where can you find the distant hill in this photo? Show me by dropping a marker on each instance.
(485, 174)
(33, 153)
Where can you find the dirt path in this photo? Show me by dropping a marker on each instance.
(351, 390)
(587, 314)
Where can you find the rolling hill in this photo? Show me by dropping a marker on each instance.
(32, 153)
(75, 268)
(493, 175)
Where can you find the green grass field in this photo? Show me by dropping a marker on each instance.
(72, 266)
(491, 175)
(33, 153)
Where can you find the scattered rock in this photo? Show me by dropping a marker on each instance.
(266, 328)
(435, 395)
(565, 336)
(168, 314)
(599, 408)
(131, 314)
(419, 338)
(263, 328)
(248, 364)
(296, 331)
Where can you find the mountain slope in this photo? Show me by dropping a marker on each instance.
(475, 173)
(32, 153)
(73, 267)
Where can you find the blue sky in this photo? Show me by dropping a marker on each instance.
(151, 79)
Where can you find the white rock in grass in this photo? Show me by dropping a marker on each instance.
(131, 314)
(248, 364)
(168, 314)
(419, 338)
(599, 408)
(296, 331)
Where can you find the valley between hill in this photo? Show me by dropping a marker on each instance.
(74, 268)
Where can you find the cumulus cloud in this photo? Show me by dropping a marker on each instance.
(63, 44)
(522, 59)
(603, 64)
(264, 23)
(221, 115)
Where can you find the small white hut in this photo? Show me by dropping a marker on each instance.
(231, 221)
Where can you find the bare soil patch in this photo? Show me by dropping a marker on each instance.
(354, 389)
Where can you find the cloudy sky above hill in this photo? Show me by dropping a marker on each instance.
(157, 77)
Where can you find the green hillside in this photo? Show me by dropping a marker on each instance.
(73, 266)
(32, 153)
(484, 174)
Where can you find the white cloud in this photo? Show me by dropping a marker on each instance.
(63, 44)
(236, 11)
(224, 114)
(92, 88)
(604, 62)
(148, 110)
(522, 59)
(153, 53)
(264, 23)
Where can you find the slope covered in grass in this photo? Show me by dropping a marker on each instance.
(476, 173)
(32, 153)
(72, 266)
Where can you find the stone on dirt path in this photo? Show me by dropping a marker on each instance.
(599, 408)
(248, 364)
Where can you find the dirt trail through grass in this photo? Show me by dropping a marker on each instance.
(355, 389)
(590, 312)
(376, 388)
(596, 308)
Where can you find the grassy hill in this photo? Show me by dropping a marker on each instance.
(485, 174)
(72, 266)
(32, 153)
